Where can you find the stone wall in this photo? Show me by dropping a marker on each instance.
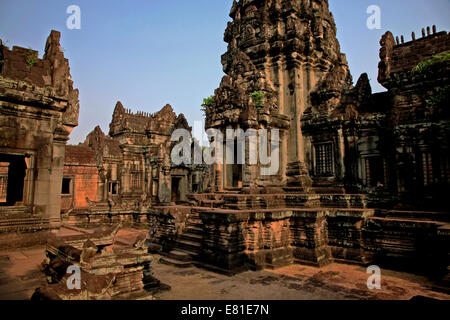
(397, 57)
(235, 241)
(38, 110)
(239, 240)
(81, 169)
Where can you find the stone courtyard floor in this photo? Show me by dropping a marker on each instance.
(295, 282)
(20, 275)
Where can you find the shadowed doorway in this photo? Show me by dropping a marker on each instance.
(13, 169)
(176, 192)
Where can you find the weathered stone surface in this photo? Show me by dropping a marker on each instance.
(38, 110)
(108, 272)
(284, 50)
(81, 173)
(359, 172)
(134, 164)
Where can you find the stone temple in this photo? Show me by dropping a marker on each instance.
(363, 177)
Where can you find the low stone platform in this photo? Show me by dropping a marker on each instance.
(232, 241)
(259, 231)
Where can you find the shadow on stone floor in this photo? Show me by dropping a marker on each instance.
(19, 277)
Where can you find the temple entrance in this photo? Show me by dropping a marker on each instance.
(234, 173)
(176, 192)
(12, 176)
(375, 171)
(237, 176)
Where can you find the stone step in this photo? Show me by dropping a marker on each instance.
(193, 230)
(16, 209)
(328, 190)
(194, 225)
(194, 222)
(219, 270)
(211, 203)
(196, 229)
(179, 256)
(188, 245)
(294, 189)
(194, 215)
(192, 254)
(192, 237)
(175, 263)
(255, 206)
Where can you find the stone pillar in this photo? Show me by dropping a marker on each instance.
(310, 238)
(223, 243)
(50, 172)
(104, 189)
(340, 154)
(219, 181)
(299, 86)
(29, 181)
(143, 175)
(125, 183)
(165, 186)
(149, 181)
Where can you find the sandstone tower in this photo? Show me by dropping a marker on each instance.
(286, 49)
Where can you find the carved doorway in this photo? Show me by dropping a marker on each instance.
(176, 192)
(234, 173)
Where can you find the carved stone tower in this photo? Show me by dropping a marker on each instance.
(287, 49)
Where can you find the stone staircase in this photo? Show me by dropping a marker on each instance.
(188, 244)
(179, 259)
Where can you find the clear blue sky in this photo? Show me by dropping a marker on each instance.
(153, 52)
